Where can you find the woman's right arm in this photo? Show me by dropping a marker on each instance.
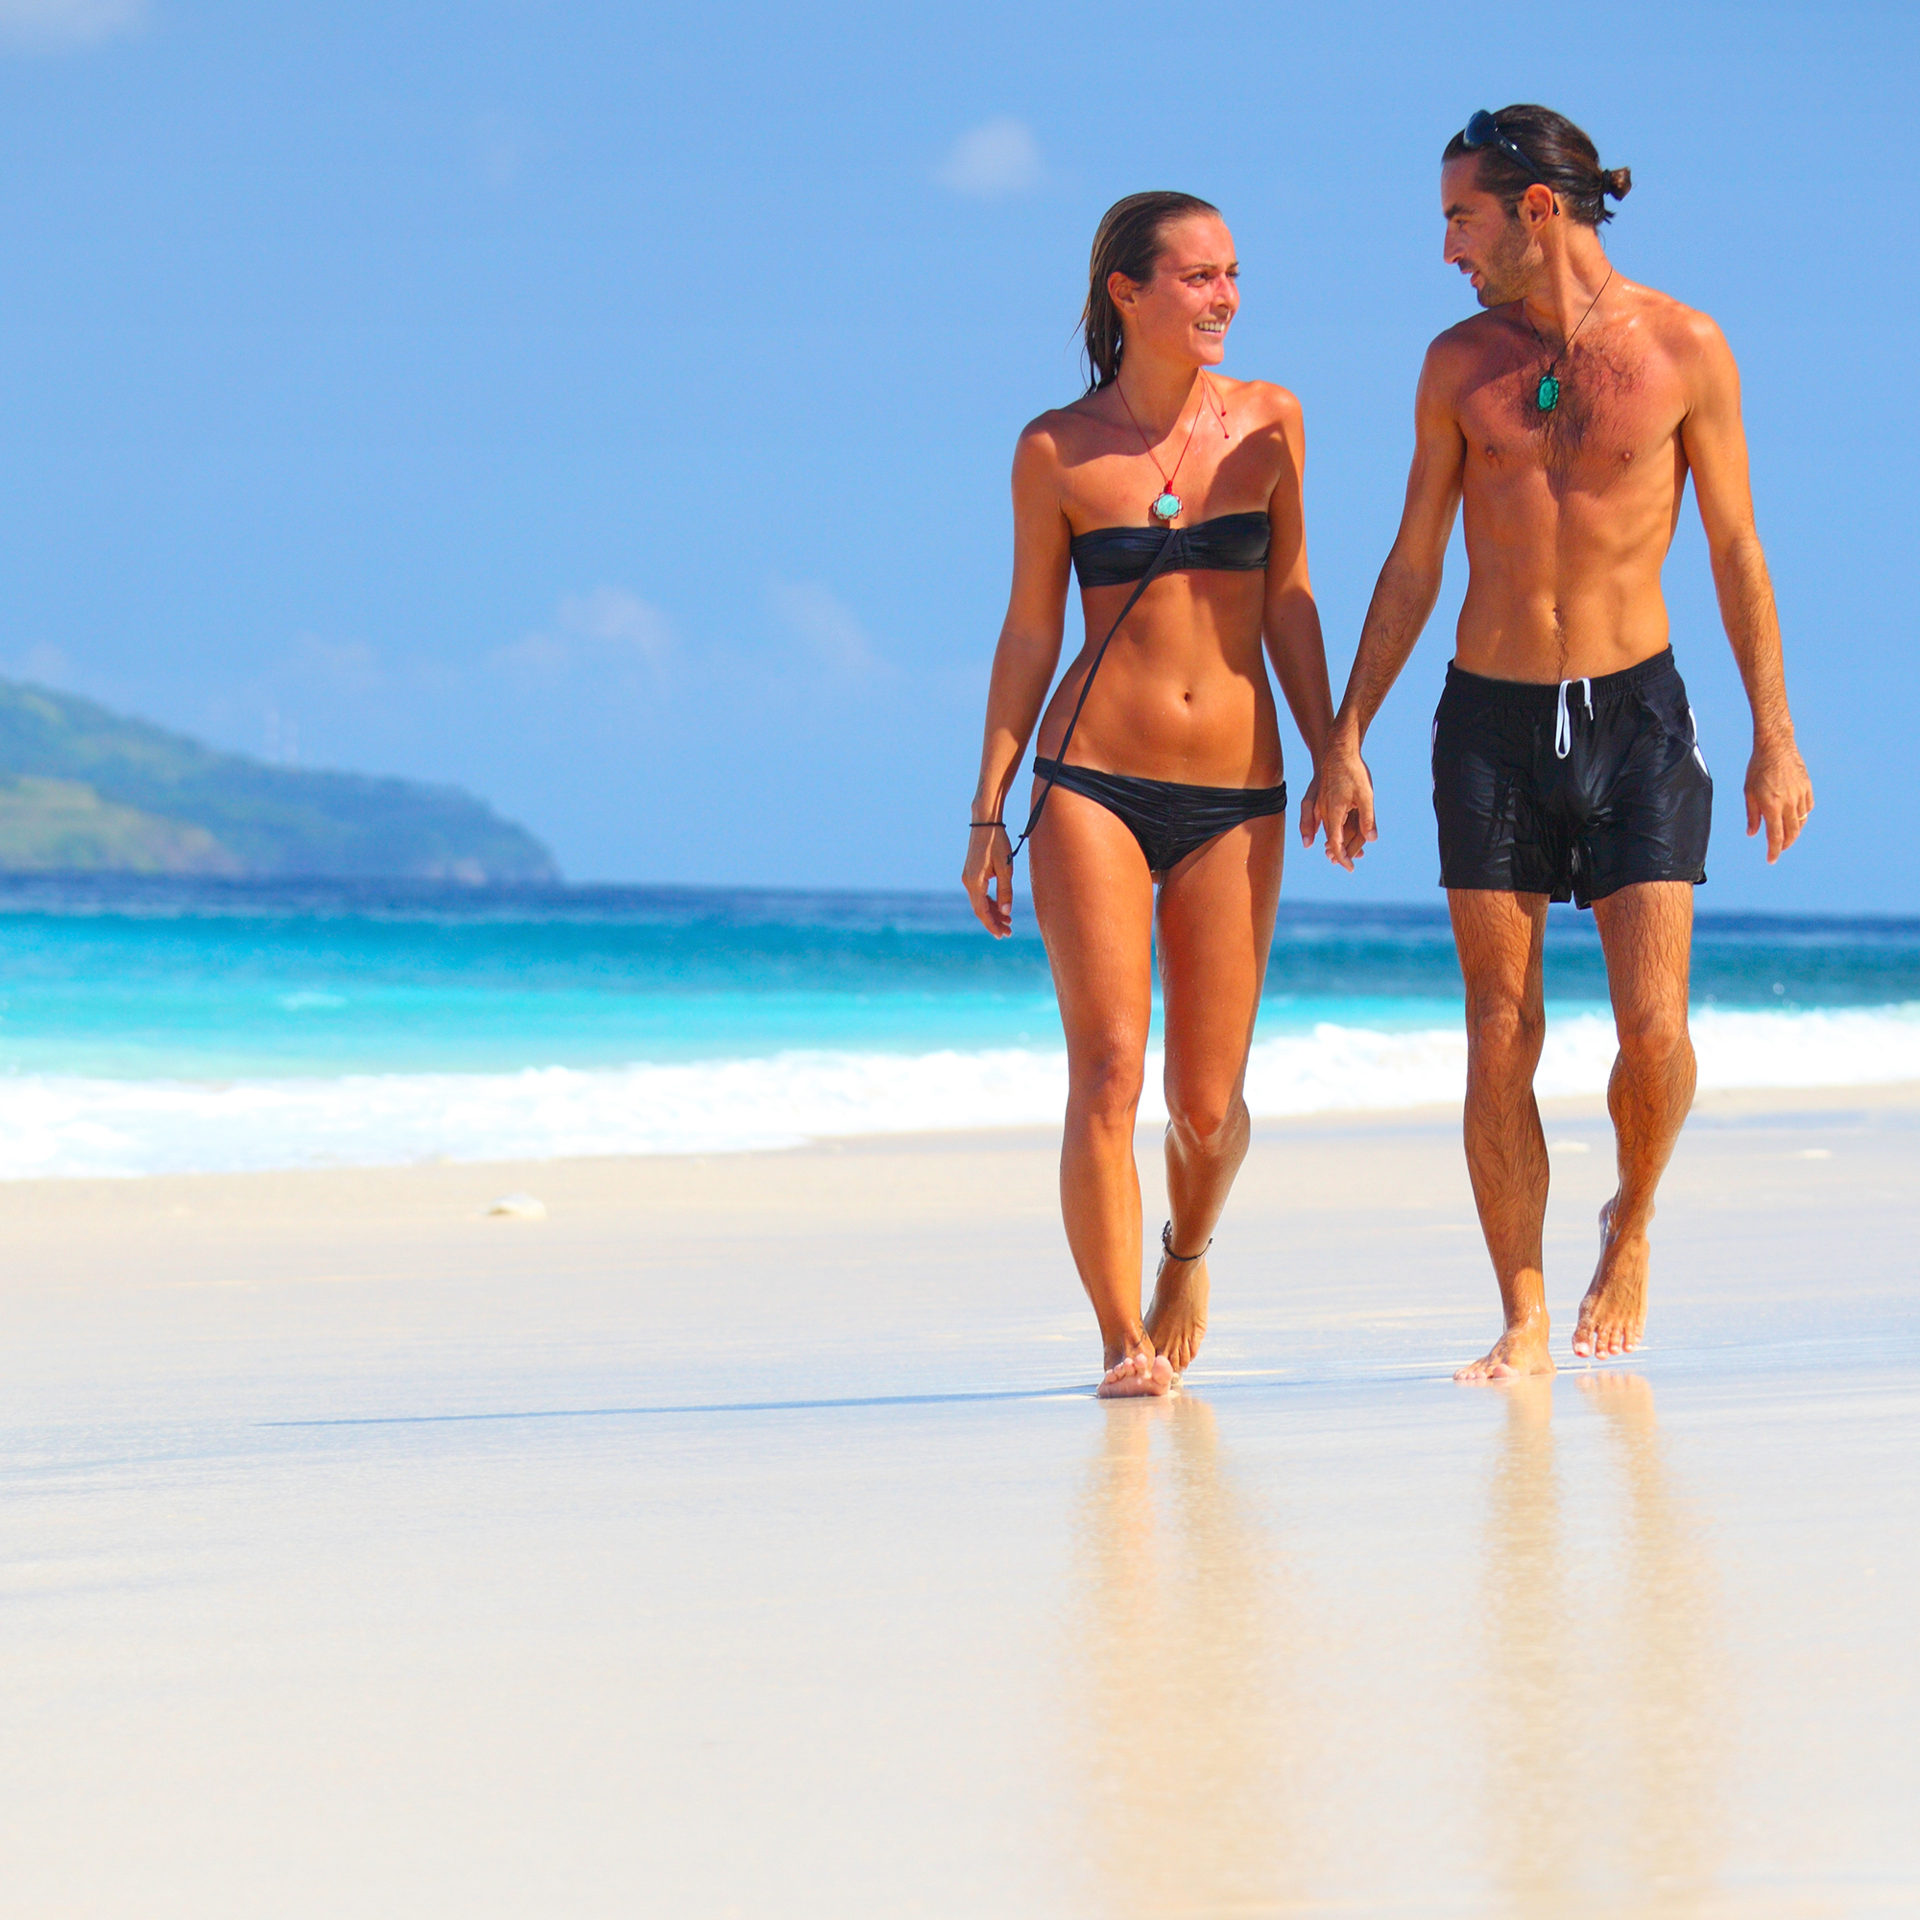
(1023, 665)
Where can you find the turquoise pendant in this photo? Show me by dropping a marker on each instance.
(1166, 506)
(1548, 396)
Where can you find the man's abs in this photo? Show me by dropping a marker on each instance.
(1568, 518)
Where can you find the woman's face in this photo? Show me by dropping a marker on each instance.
(1184, 311)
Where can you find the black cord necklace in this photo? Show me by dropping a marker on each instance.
(1546, 396)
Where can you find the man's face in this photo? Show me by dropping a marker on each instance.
(1491, 246)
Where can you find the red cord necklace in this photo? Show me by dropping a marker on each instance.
(1167, 503)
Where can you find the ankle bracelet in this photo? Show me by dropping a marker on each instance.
(1166, 1246)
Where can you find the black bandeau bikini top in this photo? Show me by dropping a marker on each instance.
(1230, 543)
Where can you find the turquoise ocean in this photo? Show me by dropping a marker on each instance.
(172, 1026)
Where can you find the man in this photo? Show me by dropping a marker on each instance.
(1567, 417)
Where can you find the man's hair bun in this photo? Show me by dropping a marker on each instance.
(1557, 156)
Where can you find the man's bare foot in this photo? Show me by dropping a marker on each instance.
(1177, 1320)
(1135, 1371)
(1519, 1352)
(1613, 1316)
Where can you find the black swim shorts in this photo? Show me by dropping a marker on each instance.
(1574, 790)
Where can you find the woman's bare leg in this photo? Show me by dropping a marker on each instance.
(1093, 898)
(1216, 926)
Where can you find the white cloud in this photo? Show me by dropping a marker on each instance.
(617, 618)
(46, 24)
(827, 624)
(501, 148)
(42, 665)
(541, 653)
(1000, 157)
(607, 627)
(350, 665)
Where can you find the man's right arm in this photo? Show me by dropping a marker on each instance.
(1341, 797)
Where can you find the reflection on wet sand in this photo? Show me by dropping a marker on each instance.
(1231, 1745)
(1670, 1666)
(1604, 1698)
(1531, 1792)
(1188, 1739)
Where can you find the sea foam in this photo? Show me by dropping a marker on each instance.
(62, 1125)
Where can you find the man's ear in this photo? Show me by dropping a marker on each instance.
(1538, 205)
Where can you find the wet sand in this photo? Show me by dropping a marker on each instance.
(741, 1538)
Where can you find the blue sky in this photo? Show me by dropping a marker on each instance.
(609, 408)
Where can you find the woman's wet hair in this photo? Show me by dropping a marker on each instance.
(1565, 160)
(1128, 241)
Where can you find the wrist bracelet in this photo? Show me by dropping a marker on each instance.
(1001, 824)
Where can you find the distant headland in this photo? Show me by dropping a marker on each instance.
(83, 790)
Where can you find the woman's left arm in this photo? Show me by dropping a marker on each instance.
(1291, 626)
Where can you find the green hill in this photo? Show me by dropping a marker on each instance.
(84, 791)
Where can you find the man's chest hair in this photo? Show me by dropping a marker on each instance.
(1617, 412)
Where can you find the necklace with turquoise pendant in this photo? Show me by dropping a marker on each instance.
(1546, 396)
(1166, 504)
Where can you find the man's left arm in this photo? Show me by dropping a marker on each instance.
(1778, 791)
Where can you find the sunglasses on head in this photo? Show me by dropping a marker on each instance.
(1483, 130)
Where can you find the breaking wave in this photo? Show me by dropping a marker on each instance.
(68, 1125)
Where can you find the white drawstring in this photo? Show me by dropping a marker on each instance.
(1697, 754)
(1563, 722)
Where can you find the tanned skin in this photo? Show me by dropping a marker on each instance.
(1183, 695)
(1569, 516)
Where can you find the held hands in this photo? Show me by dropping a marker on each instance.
(1340, 801)
(1778, 793)
(988, 877)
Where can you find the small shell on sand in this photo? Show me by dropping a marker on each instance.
(518, 1206)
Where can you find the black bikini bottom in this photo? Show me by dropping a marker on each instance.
(1168, 819)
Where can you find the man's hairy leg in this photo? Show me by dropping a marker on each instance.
(1647, 932)
(1501, 940)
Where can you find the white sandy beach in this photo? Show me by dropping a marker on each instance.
(741, 1538)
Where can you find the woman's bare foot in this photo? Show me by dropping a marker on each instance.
(1520, 1351)
(1177, 1320)
(1135, 1370)
(1613, 1316)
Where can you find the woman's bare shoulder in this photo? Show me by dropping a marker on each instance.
(1259, 403)
(1063, 429)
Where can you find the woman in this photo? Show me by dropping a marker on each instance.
(1176, 495)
